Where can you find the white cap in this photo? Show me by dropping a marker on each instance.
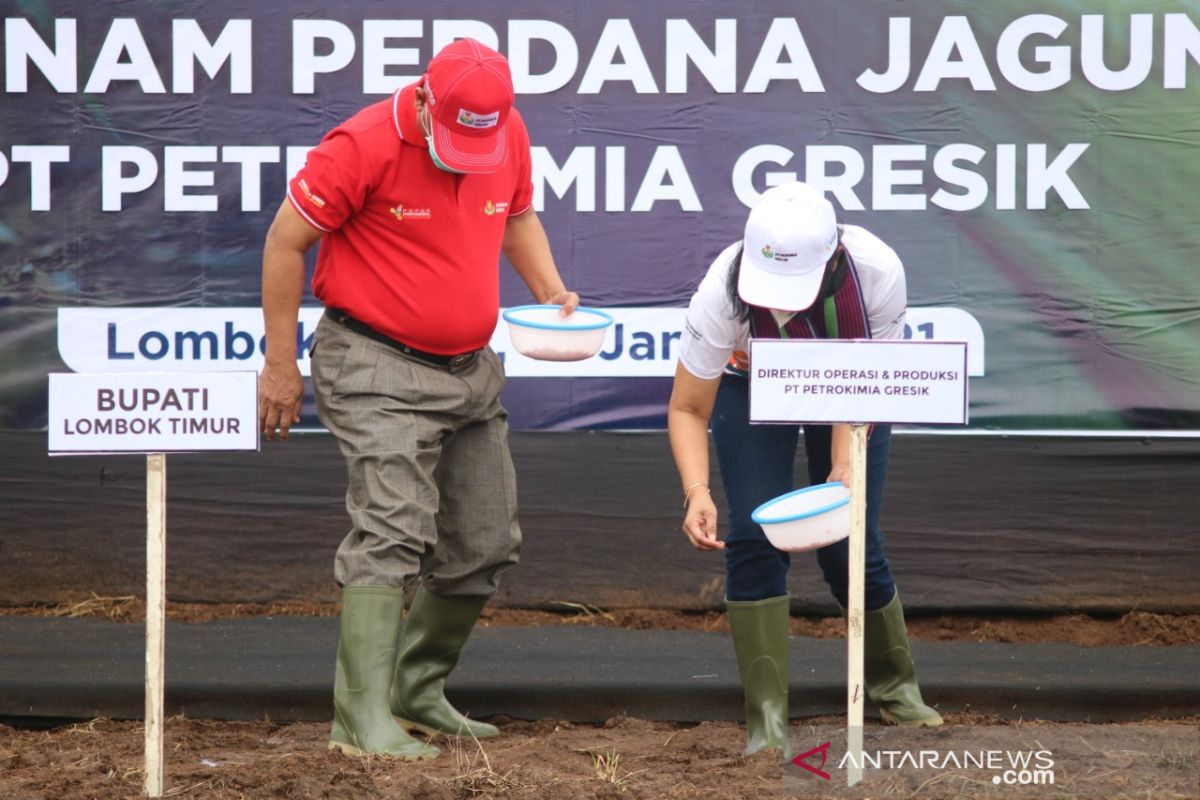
(790, 234)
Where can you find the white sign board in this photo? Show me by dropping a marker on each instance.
(153, 413)
(891, 380)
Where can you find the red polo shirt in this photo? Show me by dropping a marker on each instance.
(409, 249)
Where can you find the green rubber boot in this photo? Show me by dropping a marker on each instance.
(889, 671)
(760, 631)
(434, 635)
(366, 654)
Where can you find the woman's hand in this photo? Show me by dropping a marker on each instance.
(700, 520)
(839, 456)
(687, 427)
(840, 474)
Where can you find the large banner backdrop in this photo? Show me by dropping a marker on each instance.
(1036, 170)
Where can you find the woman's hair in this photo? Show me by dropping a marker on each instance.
(741, 309)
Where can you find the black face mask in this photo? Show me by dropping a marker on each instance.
(835, 272)
(835, 276)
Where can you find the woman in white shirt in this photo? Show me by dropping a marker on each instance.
(795, 274)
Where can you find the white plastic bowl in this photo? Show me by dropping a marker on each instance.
(806, 518)
(539, 332)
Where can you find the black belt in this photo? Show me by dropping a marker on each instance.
(350, 323)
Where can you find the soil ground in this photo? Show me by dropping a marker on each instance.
(1135, 628)
(541, 760)
(544, 760)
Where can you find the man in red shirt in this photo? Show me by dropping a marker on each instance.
(412, 199)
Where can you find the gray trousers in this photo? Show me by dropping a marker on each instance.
(431, 488)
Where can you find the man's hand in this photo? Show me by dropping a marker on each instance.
(568, 302)
(280, 387)
(280, 392)
(528, 250)
(700, 521)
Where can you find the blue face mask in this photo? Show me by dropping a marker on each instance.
(437, 162)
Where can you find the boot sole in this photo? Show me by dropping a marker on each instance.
(425, 730)
(351, 750)
(928, 722)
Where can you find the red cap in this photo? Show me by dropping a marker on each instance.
(469, 91)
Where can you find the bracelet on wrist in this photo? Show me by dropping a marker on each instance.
(687, 493)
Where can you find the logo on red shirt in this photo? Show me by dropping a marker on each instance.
(316, 200)
(491, 208)
(403, 214)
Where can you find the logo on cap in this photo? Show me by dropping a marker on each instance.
(777, 255)
(473, 119)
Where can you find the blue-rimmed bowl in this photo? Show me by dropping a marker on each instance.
(806, 518)
(539, 332)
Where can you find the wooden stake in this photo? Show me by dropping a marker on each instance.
(856, 612)
(156, 579)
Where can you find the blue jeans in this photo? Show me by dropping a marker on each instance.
(757, 463)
